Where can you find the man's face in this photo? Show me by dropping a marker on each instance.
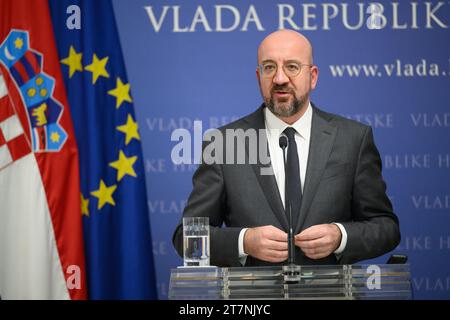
(285, 94)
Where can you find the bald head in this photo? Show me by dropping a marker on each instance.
(286, 41)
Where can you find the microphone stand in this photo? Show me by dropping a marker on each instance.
(291, 271)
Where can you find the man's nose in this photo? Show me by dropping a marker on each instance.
(280, 77)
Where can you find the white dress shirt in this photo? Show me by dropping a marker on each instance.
(274, 128)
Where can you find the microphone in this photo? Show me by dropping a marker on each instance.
(283, 142)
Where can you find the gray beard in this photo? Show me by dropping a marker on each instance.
(291, 109)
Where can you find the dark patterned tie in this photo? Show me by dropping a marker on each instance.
(293, 187)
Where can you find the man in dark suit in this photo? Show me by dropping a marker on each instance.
(340, 210)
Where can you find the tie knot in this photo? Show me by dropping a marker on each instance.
(290, 133)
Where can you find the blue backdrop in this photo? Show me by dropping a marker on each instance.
(189, 60)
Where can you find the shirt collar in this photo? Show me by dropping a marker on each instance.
(302, 125)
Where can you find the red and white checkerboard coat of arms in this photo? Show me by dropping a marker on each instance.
(29, 114)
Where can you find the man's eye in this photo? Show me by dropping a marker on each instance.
(269, 67)
(292, 67)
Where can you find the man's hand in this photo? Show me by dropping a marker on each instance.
(266, 243)
(319, 241)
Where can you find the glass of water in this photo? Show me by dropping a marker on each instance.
(196, 241)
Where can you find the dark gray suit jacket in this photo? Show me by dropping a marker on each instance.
(343, 184)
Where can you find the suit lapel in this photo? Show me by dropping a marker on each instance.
(322, 138)
(267, 182)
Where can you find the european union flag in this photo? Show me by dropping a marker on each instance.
(116, 225)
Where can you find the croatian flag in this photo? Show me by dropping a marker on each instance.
(41, 246)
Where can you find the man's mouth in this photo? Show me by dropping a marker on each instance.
(281, 93)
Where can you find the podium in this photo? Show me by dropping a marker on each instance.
(347, 282)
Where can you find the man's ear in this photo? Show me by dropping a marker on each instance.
(258, 76)
(314, 76)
